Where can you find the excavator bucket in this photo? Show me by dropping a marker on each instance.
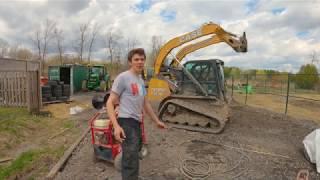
(239, 45)
(244, 43)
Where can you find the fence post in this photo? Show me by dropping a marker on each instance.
(265, 86)
(28, 90)
(287, 100)
(232, 86)
(247, 84)
(40, 71)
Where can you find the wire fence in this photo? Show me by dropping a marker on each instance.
(292, 94)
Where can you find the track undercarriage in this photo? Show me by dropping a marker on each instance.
(195, 113)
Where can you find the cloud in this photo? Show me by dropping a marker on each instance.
(68, 8)
(281, 34)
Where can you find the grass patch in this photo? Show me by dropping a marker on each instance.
(23, 161)
(30, 159)
(68, 124)
(13, 119)
(18, 126)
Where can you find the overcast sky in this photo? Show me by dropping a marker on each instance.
(281, 33)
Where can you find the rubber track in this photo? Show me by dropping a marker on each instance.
(194, 109)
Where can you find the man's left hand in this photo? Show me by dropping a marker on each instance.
(160, 124)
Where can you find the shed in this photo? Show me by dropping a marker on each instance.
(72, 74)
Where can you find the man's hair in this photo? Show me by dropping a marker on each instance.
(139, 51)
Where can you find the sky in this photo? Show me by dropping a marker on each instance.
(281, 34)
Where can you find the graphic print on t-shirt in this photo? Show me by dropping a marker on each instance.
(137, 89)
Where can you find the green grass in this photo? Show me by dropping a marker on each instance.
(12, 120)
(17, 125)
(68, 124)
(30, 158)
(23, 161)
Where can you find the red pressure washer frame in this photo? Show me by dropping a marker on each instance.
(115, 147)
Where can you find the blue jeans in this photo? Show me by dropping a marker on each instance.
(130, 148)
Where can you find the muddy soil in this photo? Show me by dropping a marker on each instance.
(256, 144)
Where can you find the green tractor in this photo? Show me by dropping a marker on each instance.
(98, 78)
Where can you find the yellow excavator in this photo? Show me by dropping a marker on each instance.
(193, 96)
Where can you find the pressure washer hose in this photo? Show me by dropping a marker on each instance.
(195, 169)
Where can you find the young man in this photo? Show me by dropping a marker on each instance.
(128, 89)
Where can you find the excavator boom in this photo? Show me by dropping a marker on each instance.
(239, 45)
(206, 29)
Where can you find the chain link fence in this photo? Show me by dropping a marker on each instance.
(296, 95)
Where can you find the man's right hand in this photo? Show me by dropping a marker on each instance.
(119, 134)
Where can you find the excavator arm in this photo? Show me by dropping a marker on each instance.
(206, 29)
(199, 102)
(239, 45)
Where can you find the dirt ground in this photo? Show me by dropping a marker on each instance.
(256, 144)
(297, 107)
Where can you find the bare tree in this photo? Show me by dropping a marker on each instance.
(18, 52)
(117, 57)
(24, 53)
(110, 44)
(118, 52)
(81, 42)
(58, 34)
(314, 56)
(131, 43)
(94, 32)
(13, 51)
(47, 36)
(42, 38)
(37, 41)
(4, 47)
(156, 42)
(113, 44)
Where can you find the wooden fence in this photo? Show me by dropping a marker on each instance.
(20, 84)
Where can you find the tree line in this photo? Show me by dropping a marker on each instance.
(49, 44)
(307, 77)
(50, 38)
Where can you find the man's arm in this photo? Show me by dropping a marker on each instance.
(148, 109)
(112, 101)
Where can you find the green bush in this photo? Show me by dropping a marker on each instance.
(307, 77)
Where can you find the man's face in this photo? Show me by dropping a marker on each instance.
(137, 63)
